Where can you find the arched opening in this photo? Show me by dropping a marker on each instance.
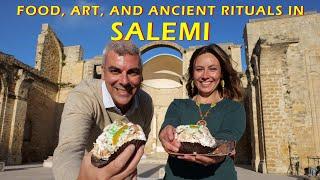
(18, 119)
(157, 44)
(163, 71)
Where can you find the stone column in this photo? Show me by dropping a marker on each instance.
(18, 119)
(3, 103)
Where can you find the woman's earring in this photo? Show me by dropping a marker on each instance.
(192, 85)
(222, 83)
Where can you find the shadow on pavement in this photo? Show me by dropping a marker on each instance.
(244, 166)
(21, 168)
(150, 172)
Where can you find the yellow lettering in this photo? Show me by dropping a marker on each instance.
(224, 10)
(41, 10)
(19, 10)
(250, 13)
(85, 10)
(150, 36)
(211, 9)
(135, 29)
(75, 10)
(174, 12)
(114, 10)
(240, 9)
(196, 31)
(95, 10)
(261, 10)
(166, 31)
(125, 10)
(206, 33)
(137, 10)
(153, 10)
(189, 34)
(55, 10)
(296, 10)
(279, 10)
(34, 10)
(190, 10)
(165, 10)
(117, 31)
(201, 10)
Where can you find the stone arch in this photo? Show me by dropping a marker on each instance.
(18, 119)
(156, 44)
(163, 71)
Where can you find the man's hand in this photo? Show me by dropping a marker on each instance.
(133, 176)
(167, 140)
(119, 168)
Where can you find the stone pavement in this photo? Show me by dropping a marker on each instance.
(151, 171)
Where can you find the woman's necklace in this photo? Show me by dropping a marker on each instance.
(202, 120)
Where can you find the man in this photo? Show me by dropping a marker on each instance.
(95, 103)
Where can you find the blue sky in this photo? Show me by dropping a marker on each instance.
(18, 34)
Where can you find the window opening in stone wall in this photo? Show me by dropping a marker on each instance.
(97, 71)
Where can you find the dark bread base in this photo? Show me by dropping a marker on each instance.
(97, 162)
(190, 148)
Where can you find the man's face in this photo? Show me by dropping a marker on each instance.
(122, 75)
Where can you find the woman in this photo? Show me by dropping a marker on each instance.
(214, 89)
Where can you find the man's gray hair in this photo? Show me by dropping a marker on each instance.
(122, 48)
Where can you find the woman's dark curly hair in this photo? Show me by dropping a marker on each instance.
(232, 88)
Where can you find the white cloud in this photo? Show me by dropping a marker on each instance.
(76, 21)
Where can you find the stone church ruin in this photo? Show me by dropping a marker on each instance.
(281, 83)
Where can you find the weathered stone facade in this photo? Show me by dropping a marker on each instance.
(27, 114)
(283, 73)
(49, 54)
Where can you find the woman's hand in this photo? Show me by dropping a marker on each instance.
(167, 140)
(226, 148)
(201, 159)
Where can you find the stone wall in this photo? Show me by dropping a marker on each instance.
(49, 54)
(283, 72)
(72, 67)
(92, 68)
(234, 51)
(42, 121)
(17, 82)
(305, 27)
(72, 71)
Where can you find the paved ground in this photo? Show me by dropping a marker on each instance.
(146, 171)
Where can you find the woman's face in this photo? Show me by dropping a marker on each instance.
(207, 74)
